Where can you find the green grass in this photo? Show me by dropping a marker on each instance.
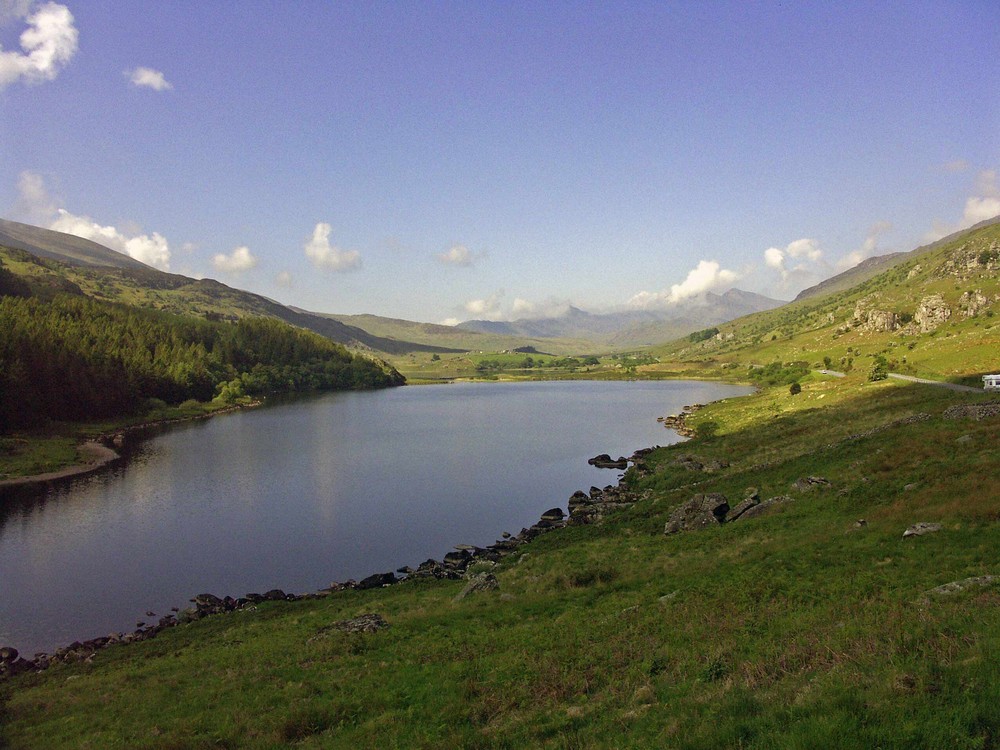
(797, 629)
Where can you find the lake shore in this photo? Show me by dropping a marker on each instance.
(100, 452)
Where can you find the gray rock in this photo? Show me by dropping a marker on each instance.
(765, 507)
(697, 513)
(919, 529)
(751, 499)
(482, 582)
(377, 580)
(553, 514)
(957, 586)
(808, 484)
(367, 623)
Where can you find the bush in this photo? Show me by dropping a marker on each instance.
(795, 389)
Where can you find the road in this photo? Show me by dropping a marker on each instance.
(911, 379)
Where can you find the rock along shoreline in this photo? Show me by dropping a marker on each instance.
(584, 508)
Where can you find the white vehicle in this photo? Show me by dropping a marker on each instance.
(991, 382)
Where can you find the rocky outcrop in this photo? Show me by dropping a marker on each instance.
(750, 500)
(808, 484)
(699, 512)
(868, 318)
(931, 313)
(694, 463)
(766, 507)
(482, 582)
(973, 303)
(920, 529)
(604, 461)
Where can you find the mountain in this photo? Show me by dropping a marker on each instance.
(56, 262)
(66, 248)
(932, 312)
(454, 338)
(633, 328)
(870, 267)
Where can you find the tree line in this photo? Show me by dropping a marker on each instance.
(74, 358)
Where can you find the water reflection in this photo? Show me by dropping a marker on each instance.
(311, 491)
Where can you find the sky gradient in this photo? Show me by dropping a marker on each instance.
(442, 161)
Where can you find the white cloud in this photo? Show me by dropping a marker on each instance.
(151, 249)
(324, 255)
(984, 205)
(704, 277)
(459, 255)
(48, 44)
(806, 250)
(868, 248)
(450, 322)
(148, 78)
(240, 259)
(283, 279)
(488, 307)
(34, 204)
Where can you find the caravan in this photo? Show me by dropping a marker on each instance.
(991, 382)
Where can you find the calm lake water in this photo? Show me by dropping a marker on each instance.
(318, 490)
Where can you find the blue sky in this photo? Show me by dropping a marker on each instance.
(441, 161)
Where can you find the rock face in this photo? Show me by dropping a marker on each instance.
(931, 312)
(868, 319)
(973, 303)
(697, 513)
(378, 580)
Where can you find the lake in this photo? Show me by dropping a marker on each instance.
(322, 489)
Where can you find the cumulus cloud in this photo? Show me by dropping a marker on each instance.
(148, 78)
(151, 249)
(283, 279)
(240, 259)
(459, 255)
(488, 307)
(704, 277)
(803, 250)
(48, 44)
(324, 255)
(35, 205)
(985, 204)
(868, 248)
(450, 322)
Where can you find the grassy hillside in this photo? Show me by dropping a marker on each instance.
(817, 625)
(935, 315)
(63, 247)
(453, 338)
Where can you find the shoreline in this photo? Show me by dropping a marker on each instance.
(99, 452)
(583, 508)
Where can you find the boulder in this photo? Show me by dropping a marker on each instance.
(764, 508)
(808, 484)
(367, 623)
(751, 500)
(919, 529)
(697, 513)
(377, 580)
(483, 582)
(553, 514)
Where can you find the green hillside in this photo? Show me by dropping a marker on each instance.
(816, 568)
(454, 338)
(934, 315)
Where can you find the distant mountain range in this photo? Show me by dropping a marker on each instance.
(632, 328)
